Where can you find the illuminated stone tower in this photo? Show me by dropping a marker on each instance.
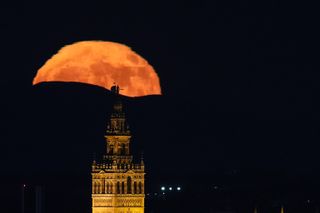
(117, 182)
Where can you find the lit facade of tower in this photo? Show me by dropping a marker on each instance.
(118, 182)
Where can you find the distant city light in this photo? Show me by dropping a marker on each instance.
(170, 188)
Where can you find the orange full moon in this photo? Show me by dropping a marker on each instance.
(101, 63)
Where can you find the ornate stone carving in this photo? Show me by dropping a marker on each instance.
(102, 202)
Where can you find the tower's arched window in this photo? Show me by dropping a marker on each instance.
(107, 191)
(111, 188)
(140, 188)
(123, 149)
(118, 187)
(122, 188)
(111, 150)
(98, 188)
(129, 185)
(135, 188)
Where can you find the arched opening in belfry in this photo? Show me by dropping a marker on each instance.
(107, 188)
(123, 149)
(118, 187)
(140, 188)
(98, 188)
(135, 188)
(122, 188)
(111, 150)
(129, 185)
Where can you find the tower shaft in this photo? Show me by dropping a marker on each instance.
(118, 182)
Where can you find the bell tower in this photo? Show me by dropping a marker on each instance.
(117, 182)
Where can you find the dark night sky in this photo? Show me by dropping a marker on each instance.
(239, 80)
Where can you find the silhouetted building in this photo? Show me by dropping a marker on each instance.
(32, 199)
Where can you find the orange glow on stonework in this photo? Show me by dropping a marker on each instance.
(102, 64)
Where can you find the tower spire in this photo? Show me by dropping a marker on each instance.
(117, 124)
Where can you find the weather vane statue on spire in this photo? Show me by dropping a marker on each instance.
(115, 88)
